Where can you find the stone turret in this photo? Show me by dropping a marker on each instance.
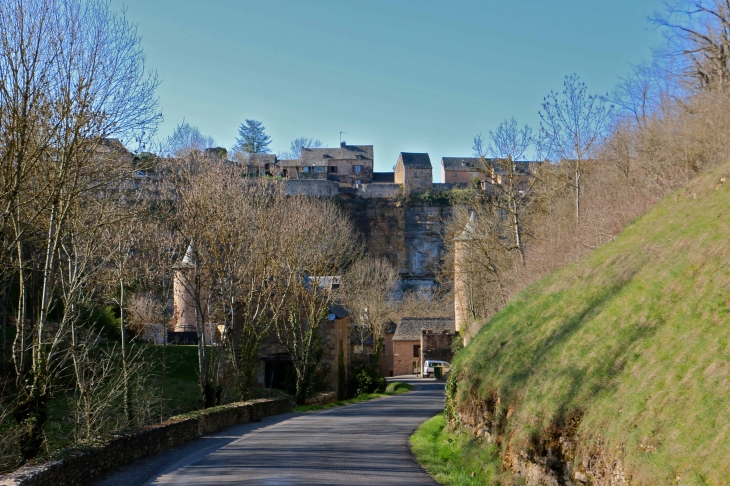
(184, 313)
(461, 290)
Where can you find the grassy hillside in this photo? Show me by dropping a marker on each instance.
(633, 340)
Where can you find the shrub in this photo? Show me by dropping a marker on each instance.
(369, 380)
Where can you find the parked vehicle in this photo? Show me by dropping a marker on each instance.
(430, 363)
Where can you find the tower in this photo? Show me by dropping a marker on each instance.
(461, 288)
(183, 300)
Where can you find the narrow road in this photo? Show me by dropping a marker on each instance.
(361, 444)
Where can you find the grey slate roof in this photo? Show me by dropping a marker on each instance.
(261, 159)
(459, 164)
(383, 177)
(415, 161)
(348, 152)
(289, 163)
(409, 328)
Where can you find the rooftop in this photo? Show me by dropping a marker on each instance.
(409, 328)
(415, 161)
(456, 164)
(260, 159)
(344, 152)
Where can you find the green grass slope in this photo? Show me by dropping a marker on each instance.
(634, 337)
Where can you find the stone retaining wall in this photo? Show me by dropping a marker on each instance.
(385, 190)
(311, 187)
(322, 398)
(82, 467)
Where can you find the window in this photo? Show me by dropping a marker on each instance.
(416, 350)
(333, 169)
(358, 169)
(358, 182)
(320, 169)
(307, 169)
(453, 175)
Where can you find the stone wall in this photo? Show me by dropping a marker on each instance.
(403, 358)
(82, 467)
(417, 180)
(437, 187)
(311, 187)
(386, 356)
(437, 345)
(386, 190)
(322, 399)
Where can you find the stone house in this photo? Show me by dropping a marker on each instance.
(386, 358)
(462, 170)
(408, 341)
(274, 361)
(414, 172)
(348, 164)
(261, 164)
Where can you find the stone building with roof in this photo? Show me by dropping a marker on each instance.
(346, 164)
(414, 172)
(261, 164)
(462, 170)
(408, 342)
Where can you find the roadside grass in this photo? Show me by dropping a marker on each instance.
(395, 388)
(634, 340)
(453, 457)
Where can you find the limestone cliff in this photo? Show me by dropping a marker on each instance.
(410, 235)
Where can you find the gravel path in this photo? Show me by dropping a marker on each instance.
(365, 443)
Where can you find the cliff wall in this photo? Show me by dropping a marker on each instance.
(410, 236)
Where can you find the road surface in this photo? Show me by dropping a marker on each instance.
(360, 444)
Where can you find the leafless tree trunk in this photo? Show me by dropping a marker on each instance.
(574, 123)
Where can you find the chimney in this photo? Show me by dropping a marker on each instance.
(343, 144)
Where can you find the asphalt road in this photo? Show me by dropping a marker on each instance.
(361, 444)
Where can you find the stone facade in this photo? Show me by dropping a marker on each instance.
(349, 164)
(414, 172)
(406, 357)
(437, 345)
(273, 358)
(387, 367)
(462, 170)
(408, 341)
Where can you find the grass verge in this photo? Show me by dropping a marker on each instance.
(628, 350)
(453, 457)
(395, 388)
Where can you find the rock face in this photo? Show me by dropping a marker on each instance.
(410, 236)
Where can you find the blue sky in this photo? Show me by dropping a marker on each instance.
(402, 75)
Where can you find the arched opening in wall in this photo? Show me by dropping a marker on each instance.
(276, 369)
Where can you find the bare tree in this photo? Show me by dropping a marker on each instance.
(368, 293)
(698, 33)
(296, 146)
(81, 69)
(511, 181)
(186, 140)
(318, 244)
(574, 124)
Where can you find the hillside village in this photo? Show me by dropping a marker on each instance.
(349, 171)
(553, 312)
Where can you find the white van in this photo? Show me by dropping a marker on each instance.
(430, 363)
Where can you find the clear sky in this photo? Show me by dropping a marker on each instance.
(402, 75)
